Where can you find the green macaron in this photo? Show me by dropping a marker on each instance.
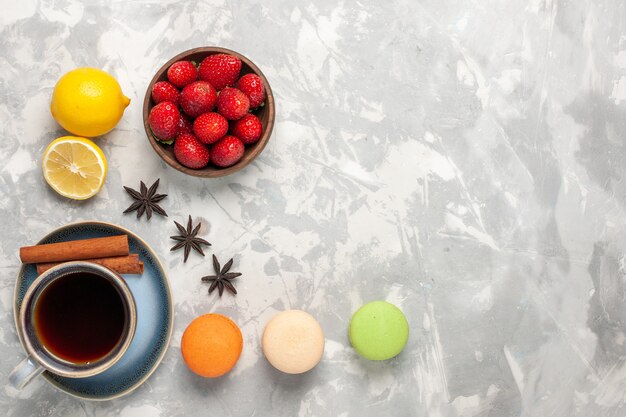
(379, 331)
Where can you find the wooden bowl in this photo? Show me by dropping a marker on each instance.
(266, 114)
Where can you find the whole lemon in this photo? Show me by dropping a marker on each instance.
(88, 102)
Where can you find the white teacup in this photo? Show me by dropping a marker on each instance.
(42, 354)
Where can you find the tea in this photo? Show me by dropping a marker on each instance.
(80, 317)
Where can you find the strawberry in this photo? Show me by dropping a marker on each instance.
(210, 127)
(248, 129)
(220, 70)
(228, 151)
(163, 120)
(184, 126)
(164, 91)
(232, 103)
(197, 98)
(253, 87)
(190, 152)
(182, 73)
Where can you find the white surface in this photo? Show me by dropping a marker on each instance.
(462, 159)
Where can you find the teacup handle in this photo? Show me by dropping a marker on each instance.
(24, 372)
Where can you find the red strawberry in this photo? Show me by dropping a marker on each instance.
(163, 120)
(197, 98)
(184, 126)
(190, 152)
(248, 129)
(232, 103)
(228, 151)
(182, 73)
(164, 91)
(253, 87)
(210, 127)
(220, 70)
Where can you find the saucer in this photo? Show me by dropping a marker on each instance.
(155, 317)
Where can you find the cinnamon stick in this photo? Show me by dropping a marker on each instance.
(74, 250)
(121, 264)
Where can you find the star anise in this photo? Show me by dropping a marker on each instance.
(146, 200)
(188, 239)
(222, 278)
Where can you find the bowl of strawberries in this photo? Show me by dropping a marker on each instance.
(208, 112)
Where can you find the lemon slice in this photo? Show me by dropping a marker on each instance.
(74, 167)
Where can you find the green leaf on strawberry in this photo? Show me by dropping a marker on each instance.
(164, 142)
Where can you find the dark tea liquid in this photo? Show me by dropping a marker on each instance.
(79, 317)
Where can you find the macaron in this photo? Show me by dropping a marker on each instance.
(378, 331)
(211, 345)
(293, 342)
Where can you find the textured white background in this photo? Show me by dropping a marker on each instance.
(462, 159)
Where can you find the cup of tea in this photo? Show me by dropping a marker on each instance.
(76, 320)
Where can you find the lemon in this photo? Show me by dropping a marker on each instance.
(74, 167)
(88, 102)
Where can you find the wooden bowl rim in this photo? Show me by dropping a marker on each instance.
(210, 172)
